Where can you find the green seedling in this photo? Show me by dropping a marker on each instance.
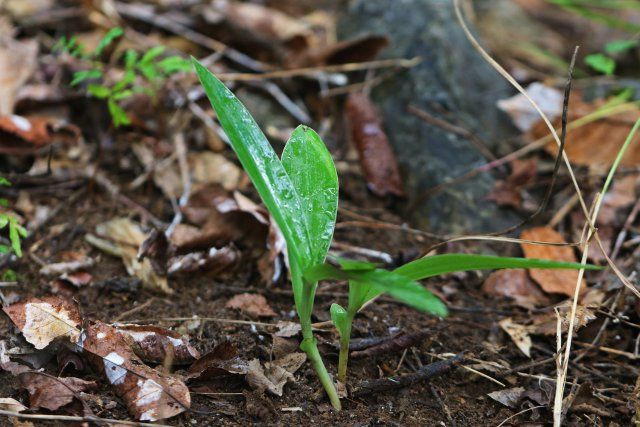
(300, 190)
(142, 73)
(16, 231)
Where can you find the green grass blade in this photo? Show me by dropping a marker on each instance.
(261, 163)
(313, 174)
(441, 264)
(400, 287)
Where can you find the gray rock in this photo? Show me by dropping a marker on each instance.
(451, 75)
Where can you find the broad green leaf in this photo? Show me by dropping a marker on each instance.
(151, 54)
(400, 287)
(313, 174)
(348, 264)
(80, 76)
(174, 64)
(619, 46)
(130, 58)
(261, 163)
(118, 115)
(441, 264)
(339, 318)
(99, 91)
(4, 181)
(108, 38)
(601, 63)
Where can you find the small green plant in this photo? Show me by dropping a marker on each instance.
(605, 63)
(16, 231)
(300, 190)
(143, 73)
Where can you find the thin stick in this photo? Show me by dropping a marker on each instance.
(562, 373)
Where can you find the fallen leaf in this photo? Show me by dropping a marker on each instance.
(377, 159)
(523, 114)
(148, 394)
(211, 168)
(551, 281)
(153, 344)
(595, 144)
(60, 268)
(18, 60)
(10, 404)
(519, 335)
(255, 305)
(6, 364)
(43, 320)
(25, 135)
(50, 392)
(509, 397)
(275, 375)
(212, 262)
(222, 360)
(515, 284)
(125, 237)
(360, 49)
(508, 192)
(287, 329)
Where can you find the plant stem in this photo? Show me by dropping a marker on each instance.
(304, 294)
(345, 339)
(309, 346)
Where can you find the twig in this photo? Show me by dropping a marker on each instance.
(393, 344)
(398, 381)
(445, 408)
(141, 307)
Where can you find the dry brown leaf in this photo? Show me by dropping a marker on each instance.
(508, 397)
(515, 284)
(25, 135)
(212, 262)
(18, 60)
(10, 404)
(275, 375)
(153, 344)
(519, 334)
(148, 394)
(50, 392)
(211, 168)
(125, 237)
(596, 144)
(523, 114)
(507, 192)
(551, 281)
(222, 360)
(43, 320)
(255, 305)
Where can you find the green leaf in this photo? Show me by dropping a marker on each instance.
(130, 58)
(99, 91)
(4, 181)
(174, 64)
(441, 264)
(339, 318)
(118, 115)
(4, 249)
(151, 54)
(400, 287)
(80, 76)
(4, 220)
(261, 163)
(108, 38)
(619, 46)
(313, 174)
(15, 231)
(122, 95)
(601, 63)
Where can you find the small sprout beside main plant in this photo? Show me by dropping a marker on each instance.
(300, 190)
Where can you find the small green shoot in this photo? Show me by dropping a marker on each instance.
(601, 63)
(300, 190)
(16, 231)
(142, 73)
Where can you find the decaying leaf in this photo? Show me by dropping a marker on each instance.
(274, 375)
(212, 168)
(377, 159)
(508, 192)
(212, 262)
(254, 305)
(519, 334)
(60, 268)
(287, 329)
(25, 135)
(360, 49)
(508, 397)
(43, 320)
(551, 281)
(595, 144)
(52, 393)
(153, 344)
(125, 237)
(515, 284)
(222, 360)
(18, 60)
(148, 394)
(10, 404)
(522, 113)
(6, 364)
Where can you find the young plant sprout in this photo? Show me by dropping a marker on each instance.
(300, 190)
